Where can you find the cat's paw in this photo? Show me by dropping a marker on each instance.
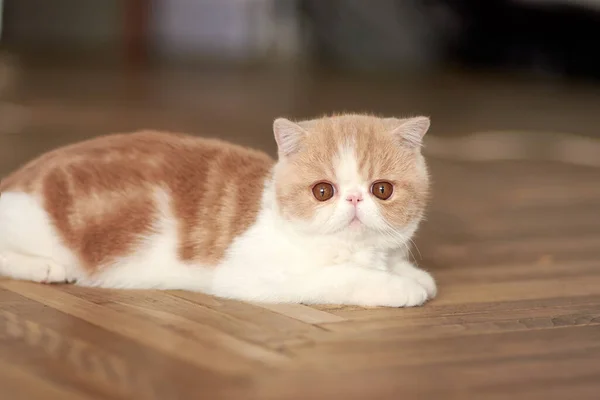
(31, 268)
(423, 277)
(426, 280)
(398, 291)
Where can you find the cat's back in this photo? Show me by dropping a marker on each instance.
(103, 193)
(145, 156)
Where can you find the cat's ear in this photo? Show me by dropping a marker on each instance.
(410, 131)
(288, 135)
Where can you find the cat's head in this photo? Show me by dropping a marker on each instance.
(353, 175)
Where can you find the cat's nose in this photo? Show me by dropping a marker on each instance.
(354, 198)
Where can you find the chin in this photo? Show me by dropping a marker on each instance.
(356, 225)
(356, 231)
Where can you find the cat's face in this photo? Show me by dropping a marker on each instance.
(352, 175)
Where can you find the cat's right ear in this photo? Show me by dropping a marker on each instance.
(288, 135)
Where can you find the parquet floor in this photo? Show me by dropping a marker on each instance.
(515, 246)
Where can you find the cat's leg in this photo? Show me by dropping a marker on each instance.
(31, 268)
(151, 270)
(405, 268)
(339, 284)
(30, 248)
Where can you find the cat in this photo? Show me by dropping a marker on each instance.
(328, 223)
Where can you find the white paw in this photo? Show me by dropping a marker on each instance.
(426, 280)
(55, 273)
(398, 291)
(30, 268)
(423, 277)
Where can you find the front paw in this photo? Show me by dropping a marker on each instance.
(423, 277)
(426, 280)
(398, 291)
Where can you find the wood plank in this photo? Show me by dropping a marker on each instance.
(153, 336)
(302, 313)
(142, 368)
(76, 364)
(236, 319)
(468, 324)
(522, 378)
(355, 354)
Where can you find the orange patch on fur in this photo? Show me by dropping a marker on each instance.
(100, 194)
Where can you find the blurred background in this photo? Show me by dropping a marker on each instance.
(217, 65)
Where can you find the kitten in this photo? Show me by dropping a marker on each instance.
(329, 222)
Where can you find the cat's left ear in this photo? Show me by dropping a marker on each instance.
(410, 131)
(288, 135)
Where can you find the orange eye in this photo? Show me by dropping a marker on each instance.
(382, 190)
(323, 191)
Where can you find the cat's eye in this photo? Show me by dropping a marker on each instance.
(382, 190)
(323, 191)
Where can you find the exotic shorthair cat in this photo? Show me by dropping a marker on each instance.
(329, 222)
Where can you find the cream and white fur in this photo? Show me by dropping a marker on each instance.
(276, 260)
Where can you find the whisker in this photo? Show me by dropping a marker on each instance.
(410, 251)
(416, 247)
(399, 238)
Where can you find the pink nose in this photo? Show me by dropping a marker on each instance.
(354, 198)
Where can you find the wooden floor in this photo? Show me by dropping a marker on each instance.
(514, 245)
